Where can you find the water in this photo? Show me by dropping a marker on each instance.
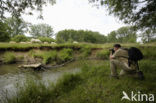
(11, 68)
(11, 76)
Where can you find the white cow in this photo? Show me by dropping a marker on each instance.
(75, 42)
(35, 41)
(45, 42)
(53, 43)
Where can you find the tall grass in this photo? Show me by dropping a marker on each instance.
(103, 54)
(149, 52)
(58, 57)
(97, 87)
(91, 85)
(36, 91)
(9, 58)
(85, 51)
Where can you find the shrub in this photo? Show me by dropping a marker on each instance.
(9, 57)
(103, 54)
(20, 38)
(86, 51)
(64, 55)
(47, 56)
(46, 39)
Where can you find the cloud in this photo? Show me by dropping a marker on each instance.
(76, 14)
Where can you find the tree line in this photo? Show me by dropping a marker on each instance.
(12, 27)
(15, 27)
(139, 13)
(122, 35)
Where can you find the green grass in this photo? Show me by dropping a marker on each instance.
(149, 52)
(91, 85)
(19, 46)
(7, 46)
(85, 51)
(97, 87)
(103, 54)
(47, 56)
(9, 58)
(53, 56)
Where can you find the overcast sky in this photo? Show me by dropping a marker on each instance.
(76, 14)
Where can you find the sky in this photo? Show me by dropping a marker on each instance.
(76, 14)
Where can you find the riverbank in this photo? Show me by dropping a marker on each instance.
(92, 84)
(12, 81)
(50, 53)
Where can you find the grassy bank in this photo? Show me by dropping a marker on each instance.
(29, 46)
(92, 84)
(51, 52)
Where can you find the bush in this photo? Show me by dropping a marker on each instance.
(20, 38)
(64, 55)
(103, 54)
(46, 39)
(9, 57)
(86, 51)
(47, 56)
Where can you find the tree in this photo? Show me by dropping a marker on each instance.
(112, 37)
(4, 32)
(142, 13)
(126, 34)
(123, 35)
(18, 7)
(148, 35)
(80, 36)
(41, 30)
(18, 26)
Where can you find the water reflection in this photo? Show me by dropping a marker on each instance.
(11, 76)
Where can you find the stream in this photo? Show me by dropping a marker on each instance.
(11, 76)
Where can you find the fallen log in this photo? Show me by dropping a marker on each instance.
(38, 66)
(31, 66)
